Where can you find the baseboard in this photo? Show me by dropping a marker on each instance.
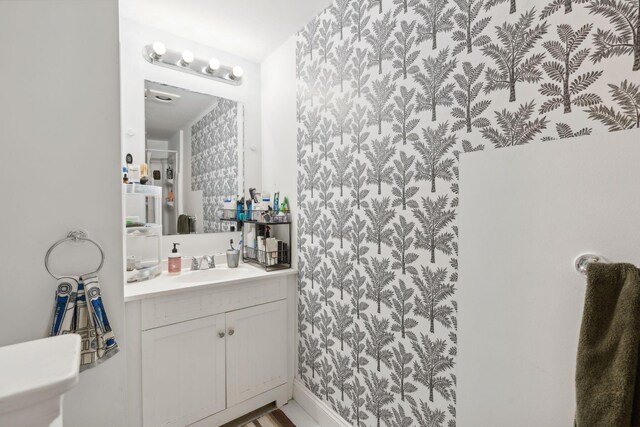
(316, 408)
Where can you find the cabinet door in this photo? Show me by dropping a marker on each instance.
(256, 350)
(183, 371)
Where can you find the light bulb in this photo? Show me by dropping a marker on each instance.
(187, 57)
(237, 72)
(214, 64)
(158, 49)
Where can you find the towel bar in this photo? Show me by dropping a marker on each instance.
(74, 236)
(582, 262)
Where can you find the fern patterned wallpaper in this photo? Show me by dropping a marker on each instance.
(389, 93)
(214, 160)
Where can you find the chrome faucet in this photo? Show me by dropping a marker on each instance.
(211, 263)
(197, 265)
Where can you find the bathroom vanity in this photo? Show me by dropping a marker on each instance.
(206, 347)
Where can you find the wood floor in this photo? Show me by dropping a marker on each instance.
(292, 410)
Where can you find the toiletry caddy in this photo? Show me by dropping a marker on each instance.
(266, 237)
(271, 253)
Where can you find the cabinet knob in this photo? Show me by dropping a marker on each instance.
(231, 331)
(221, 334)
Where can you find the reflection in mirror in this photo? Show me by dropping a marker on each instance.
(194, 149)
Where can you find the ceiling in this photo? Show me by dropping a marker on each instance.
(250, 29)
(164, 119)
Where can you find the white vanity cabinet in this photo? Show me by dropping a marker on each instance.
(209, 354)
(256, 343)
(183, 372)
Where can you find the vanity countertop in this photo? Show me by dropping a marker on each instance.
(166, 284)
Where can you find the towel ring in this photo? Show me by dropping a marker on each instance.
(73, 236)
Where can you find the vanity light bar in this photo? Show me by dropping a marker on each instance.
(158, 54)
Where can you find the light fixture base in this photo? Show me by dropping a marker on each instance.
(199, 67)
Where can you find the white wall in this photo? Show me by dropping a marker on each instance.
(279, 127)
(135, 70)
(59, 130)
(526, 213)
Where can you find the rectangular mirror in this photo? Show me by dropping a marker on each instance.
(194, 150)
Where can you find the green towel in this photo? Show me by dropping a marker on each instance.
(183, 224)
(608, 347)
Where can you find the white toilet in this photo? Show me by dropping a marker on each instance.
(35, 376)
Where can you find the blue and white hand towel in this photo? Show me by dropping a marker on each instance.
(79, 310)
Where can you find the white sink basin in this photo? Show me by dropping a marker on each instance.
(217, 274)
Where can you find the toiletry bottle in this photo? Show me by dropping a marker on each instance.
(175, 260)
(249, 210)
(239, 208)
(276, 202)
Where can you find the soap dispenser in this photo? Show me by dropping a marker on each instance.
(175, 260)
